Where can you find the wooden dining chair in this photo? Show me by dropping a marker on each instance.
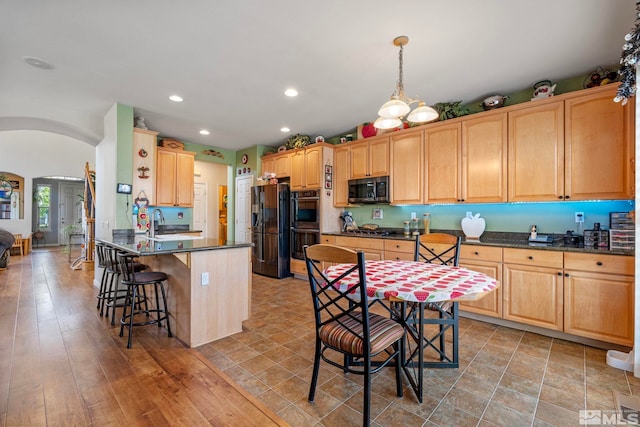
(344, 325)
(444, 249)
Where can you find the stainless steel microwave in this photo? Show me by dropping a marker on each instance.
(369, 190)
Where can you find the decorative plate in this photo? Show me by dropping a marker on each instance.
(282, 148)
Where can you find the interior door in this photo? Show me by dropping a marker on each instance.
(200, 208)
(243, 208)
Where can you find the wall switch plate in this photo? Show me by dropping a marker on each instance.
(579, 216)
(413, 215)
(205, 279)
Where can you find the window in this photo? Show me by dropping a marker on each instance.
(43, 196)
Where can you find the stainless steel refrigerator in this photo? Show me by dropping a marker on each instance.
(270, 218)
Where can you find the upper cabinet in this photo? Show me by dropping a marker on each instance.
(370, 158)
(536, 153)
(599, 147)
(443, 163)
(407, 164)
(174, 178)
(280, 164)
(484, 159)
(307, 167)
(576, 148)
(341, 176)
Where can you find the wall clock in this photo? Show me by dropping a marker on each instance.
(245, 159)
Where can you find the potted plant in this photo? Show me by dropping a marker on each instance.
(6, 189)
(451, 110)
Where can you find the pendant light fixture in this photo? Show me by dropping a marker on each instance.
(392, 111)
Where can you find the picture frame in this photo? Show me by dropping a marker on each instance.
(327, 185)
(327, 177)
(328, 169)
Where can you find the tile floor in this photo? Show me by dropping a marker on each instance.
(506, 377)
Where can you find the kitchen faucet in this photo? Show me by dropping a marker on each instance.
(152, 228)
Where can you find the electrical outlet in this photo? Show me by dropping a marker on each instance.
(413, 215)
(579, 216)
(205, 279)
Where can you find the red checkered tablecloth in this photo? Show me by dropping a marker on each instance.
(415, 281)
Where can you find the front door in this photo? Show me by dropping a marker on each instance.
(69, 211)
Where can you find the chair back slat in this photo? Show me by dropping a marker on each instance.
(348, 308)
(446, 250)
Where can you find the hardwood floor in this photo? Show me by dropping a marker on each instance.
(61, 364)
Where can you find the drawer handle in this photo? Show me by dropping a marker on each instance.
(599, 263)
(559, 273)
(398, 246)
(530, 257)
(476, 253)
(566, 274)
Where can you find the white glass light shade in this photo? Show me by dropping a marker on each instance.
(387, 123)
(422, 114)
(393, 108)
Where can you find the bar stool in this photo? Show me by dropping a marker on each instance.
(101, 250)
(135, 283)
(113, 295)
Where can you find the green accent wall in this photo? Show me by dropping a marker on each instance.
(124, 164)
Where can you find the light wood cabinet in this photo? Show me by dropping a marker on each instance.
(536, 153)
(533, 287)
(307, 169)
(599, 147)
(369, 158)
(599, 297)
(407, 164)
(144, 163)
(174, 178)
(280, 164)
(486, 260)
(443, 162)
(400, 250)
(341, 176)
(373, 248)
(484, 159)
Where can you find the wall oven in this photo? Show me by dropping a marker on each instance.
(305, 221)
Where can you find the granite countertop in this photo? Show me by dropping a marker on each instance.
(141, 245)
(498, 239)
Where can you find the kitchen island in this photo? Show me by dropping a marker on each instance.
(209, 286)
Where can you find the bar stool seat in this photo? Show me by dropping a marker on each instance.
(137, 282)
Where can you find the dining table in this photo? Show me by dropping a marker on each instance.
(407, 289)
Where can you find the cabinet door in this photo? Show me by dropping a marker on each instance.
(536, 153)
(599, 306)
(184, 179)
(297, 171)
(268, 165)
(359, 160)
(165, 178)
(341, 176)
(314, 170)
(283, 165)
(533, 295)
(599, 144)
(443, 159)
(484, 159)
(491, 304)
(407, 162)
(379, 157)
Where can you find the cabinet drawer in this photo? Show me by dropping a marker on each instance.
(328, 240)
(481, 253)
(297, 266)
(398, 256)
(602, 263)
(360, 242)
(535, 257)
(407, 246)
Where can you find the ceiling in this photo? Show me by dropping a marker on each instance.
(232, 60)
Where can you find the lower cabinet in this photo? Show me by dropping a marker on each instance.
(598, 297)
(372, 248)
(486, 260)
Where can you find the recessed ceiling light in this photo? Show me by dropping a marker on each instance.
(204, 132)
(176, 98)
(38, 63)
(291, 92)
(284, 129)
